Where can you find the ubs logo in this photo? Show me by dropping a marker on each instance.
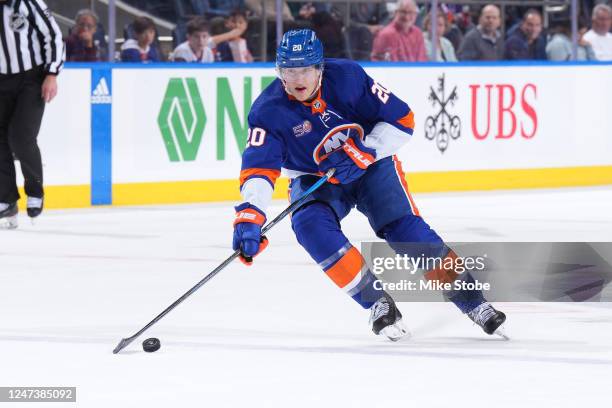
(442, 127)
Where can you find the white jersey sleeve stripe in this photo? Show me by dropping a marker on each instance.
(258, 192)
(386, 139)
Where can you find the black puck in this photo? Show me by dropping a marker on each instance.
(151, 345)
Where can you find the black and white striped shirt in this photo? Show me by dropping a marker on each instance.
(29, 37)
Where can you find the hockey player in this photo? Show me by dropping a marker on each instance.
(327, 113)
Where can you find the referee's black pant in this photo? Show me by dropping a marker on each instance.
(21, 111)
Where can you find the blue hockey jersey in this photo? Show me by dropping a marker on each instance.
(295, 136)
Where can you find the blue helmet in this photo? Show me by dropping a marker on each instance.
(299, 48)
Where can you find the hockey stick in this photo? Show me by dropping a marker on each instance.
(293, 206)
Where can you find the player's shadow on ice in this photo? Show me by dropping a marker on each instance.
(398, 350)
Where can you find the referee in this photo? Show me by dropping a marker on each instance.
(31, 57)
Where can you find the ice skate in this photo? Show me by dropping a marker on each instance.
(386, 319)
(489, 319)
(8, 215)
(34, 206)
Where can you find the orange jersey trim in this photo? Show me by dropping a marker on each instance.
(407, 121)
(270, 174)
(402, 177)
(317, 105)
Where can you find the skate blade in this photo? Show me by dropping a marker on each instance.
(501, 332)
(9, 223)
(396, 331)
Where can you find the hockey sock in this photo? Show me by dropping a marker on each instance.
(318, 231)
(465, 299)
(411, 235)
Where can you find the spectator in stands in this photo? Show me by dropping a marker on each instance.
(343, 37)
(329, 31)
(200, 45)
(255, 6)
(197, 47)
(139, 49)
(599, 35)
(454, 33)
(401, 40)
(80, 44)
(527, 42)
(223, 7)
(371, 16)
(465, 19)
(234, 49)
(306, 11)
(559, 48)
(484, 42)
(445, 50)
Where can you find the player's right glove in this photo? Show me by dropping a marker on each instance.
(247, 232)
(350, 161)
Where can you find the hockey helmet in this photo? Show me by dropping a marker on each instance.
(299, 48)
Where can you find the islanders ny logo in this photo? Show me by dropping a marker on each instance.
(442, 127)
(336, 139)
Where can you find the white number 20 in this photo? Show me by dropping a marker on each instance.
(297, 47)
(256, 137)
(381, 92)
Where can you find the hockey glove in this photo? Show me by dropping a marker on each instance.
(350, 161)
(247, 232)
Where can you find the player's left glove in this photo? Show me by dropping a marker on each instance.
(247, 232)
(350, 161)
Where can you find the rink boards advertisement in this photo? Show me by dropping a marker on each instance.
(166, 134)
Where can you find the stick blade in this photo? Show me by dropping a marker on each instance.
(122, 344)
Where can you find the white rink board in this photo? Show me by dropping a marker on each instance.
(139, 154)
(65, 134)
(569, 104)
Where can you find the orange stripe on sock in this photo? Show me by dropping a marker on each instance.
(272, 175)
(402, 177)
(345, 270)
(446, 273)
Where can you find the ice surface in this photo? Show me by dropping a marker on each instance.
(280, 334)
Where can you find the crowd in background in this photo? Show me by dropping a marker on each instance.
(376, 31)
